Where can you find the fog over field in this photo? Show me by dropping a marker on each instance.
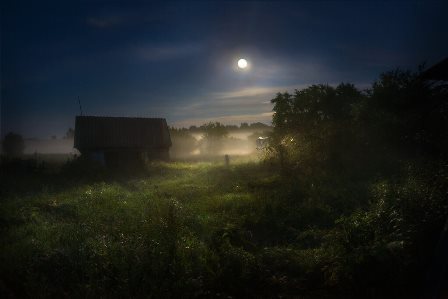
(237, 143)
(49, 146)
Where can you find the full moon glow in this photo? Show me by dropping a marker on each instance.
(242, 63)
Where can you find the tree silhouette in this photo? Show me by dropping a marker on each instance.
(213, 136)
(70, 134)
(343, 128)
(13, 145)
(183, 142)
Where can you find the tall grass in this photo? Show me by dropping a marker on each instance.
(201, 229)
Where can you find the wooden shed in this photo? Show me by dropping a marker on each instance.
(118, 141)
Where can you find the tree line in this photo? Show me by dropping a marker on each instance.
(401, 119)
(374, 164)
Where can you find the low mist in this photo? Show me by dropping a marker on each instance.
(49, 146)
(194, 145)
(186, 144)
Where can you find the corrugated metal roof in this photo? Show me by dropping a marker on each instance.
(98, 132)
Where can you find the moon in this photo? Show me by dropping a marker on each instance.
(242, 63)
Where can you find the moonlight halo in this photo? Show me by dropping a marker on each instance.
(242, 63)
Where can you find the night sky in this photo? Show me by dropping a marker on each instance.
(178, 59)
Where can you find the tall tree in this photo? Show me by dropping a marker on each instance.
(213, 137)
(13, 145)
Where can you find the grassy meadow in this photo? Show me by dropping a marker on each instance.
(198, 229)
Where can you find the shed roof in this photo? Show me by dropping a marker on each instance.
(98, 132)
(438, 71)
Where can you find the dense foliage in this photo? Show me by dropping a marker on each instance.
(378, 158)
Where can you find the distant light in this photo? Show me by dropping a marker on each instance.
(242, 63)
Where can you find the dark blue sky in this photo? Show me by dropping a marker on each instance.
(178, 59)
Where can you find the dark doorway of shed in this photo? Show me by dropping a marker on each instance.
(125, 160)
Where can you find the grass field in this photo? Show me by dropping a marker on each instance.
(180, 230)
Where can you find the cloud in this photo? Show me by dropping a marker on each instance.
(166, 52)
(105, 22)
(265, 117)
(252, 100)
(373, 56)
(254, 91)
(251, 104)
(107, 18)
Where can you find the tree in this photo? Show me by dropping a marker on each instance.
(70, 134)
(316, 125)
(183, 142)
(232, 127)
(13, 145)
(258, 126)
(213, 136)
(399, 118)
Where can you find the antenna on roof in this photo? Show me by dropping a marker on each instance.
(80, 107)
